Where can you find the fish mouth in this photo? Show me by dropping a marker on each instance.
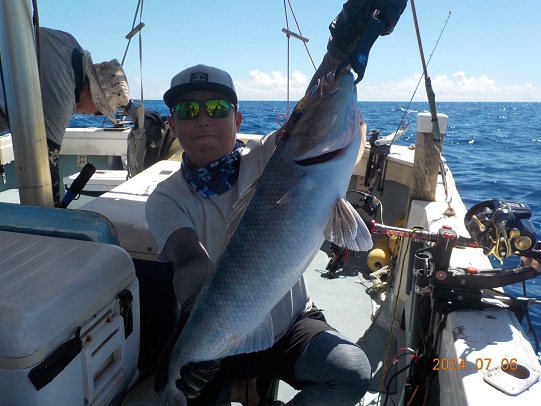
(318, 159)
(329, 115)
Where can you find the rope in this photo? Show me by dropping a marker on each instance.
(128, 37)
(141, 108)
(137, 29)
(287, 56)
(288, 35)
(393, 317)
(300, 32)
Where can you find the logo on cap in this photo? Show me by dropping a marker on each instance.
(199, 77)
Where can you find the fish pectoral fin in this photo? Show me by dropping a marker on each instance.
(261, 338)
(239, 207)
(346, 228)
(301, 184)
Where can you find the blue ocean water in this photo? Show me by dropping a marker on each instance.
(493, 150)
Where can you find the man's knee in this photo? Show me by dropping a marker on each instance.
(337, 364)
(354, 376)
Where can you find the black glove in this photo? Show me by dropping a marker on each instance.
(195, 375)
(348, 26)
(390, 12)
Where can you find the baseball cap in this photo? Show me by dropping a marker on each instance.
(200, 77)
(108, 86)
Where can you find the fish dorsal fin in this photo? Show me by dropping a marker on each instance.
(239, 207)
(346, 228)
(261, 338)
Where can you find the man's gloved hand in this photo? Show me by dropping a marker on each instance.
(348, 26)
(195, 375)
(390, 12)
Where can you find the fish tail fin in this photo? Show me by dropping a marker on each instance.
(346, 228)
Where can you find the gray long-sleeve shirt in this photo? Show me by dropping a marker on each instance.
(57, 82)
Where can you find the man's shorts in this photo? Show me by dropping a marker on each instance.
(276, 362)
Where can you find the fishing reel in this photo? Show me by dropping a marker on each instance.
(502, 228)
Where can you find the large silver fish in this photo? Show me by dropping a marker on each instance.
(297, 202)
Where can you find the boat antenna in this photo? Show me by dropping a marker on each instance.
(298, 36)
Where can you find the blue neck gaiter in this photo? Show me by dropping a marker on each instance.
(215, 178)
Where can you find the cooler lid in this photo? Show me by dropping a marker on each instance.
(124, 206)
(48, 287)
(101, 181)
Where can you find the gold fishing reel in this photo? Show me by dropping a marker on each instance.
(502, 228)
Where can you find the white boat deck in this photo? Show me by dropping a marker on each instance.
(348, 306)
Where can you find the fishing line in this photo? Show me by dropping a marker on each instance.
(136, 29)
(290, 34)
(131, 33)
(421, 78)
(400, 128)
(300, 32)
(288, 53)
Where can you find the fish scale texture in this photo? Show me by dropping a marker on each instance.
(277, 237)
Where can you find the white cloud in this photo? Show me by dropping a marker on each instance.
(260, 85)
(459, 87)
(264, 86)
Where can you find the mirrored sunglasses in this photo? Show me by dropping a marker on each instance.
(189, 109)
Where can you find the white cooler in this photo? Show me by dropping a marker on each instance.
(102, 181)
(124, 206)
(69, 321)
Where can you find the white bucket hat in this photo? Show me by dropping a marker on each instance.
(108, 86)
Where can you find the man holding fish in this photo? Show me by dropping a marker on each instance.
(241, 222)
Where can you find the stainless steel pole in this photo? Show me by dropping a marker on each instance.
(23, 103)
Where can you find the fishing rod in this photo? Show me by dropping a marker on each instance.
(401, 129)
(428, 82)
(421, 78)
(433, 113)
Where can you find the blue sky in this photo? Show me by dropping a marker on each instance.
(489, 51)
